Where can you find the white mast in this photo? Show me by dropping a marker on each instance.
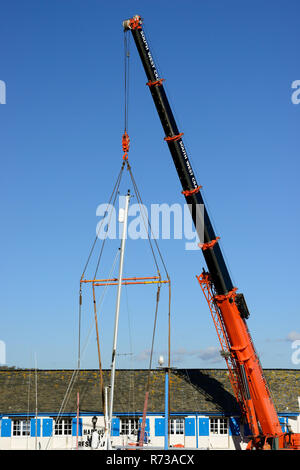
(123, 216)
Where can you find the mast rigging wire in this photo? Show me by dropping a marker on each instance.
(149, 231)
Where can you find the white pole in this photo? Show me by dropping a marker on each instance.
(113, 360)
(36, 403)
(106, 407)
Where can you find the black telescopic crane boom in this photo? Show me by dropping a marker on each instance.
(227, 307)
(213, 254)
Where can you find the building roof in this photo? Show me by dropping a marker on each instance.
(191, 390)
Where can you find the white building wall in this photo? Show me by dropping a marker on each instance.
(69, 442)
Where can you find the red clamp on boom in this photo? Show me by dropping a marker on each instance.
(125, 145)
(189, 192)
(207, 245)
(174, 137)
(157, 82)
(231, 294)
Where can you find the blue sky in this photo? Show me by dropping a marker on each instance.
(229, 66)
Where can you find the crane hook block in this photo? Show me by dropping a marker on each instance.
(125, 145)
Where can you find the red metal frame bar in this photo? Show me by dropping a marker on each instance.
(126, 281)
